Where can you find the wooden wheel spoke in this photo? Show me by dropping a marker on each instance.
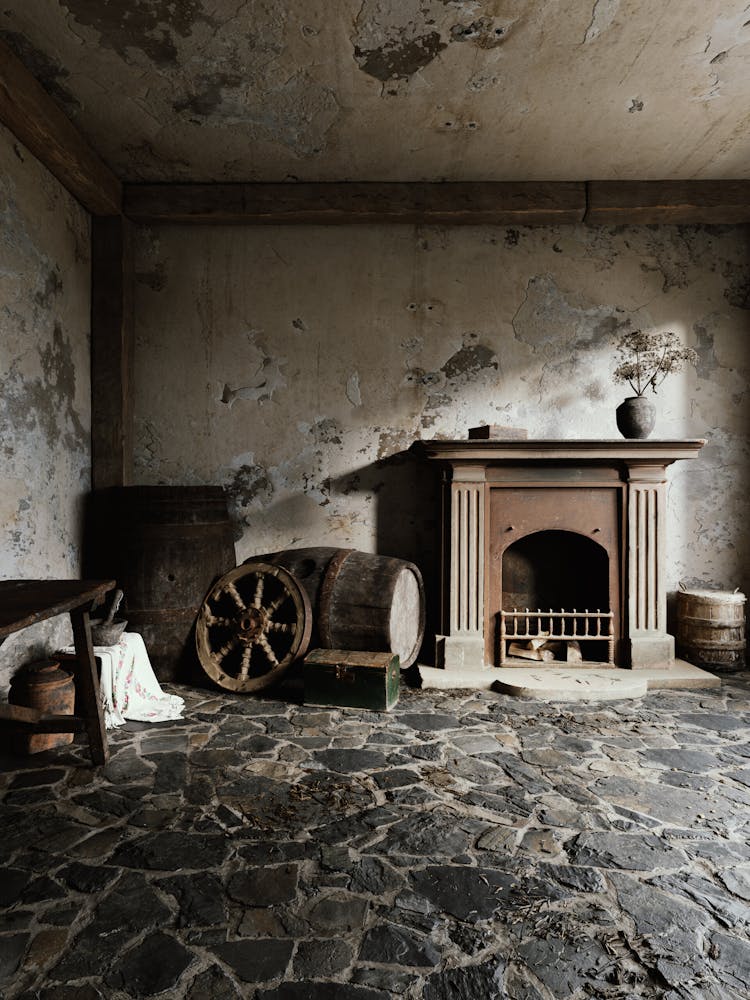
(228, 647)
(230, 589)
(245, 662)
(277, 602)
(266, 647)
(217, 620)
(259, 587)
(281, 627)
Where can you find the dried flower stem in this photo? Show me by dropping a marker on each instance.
(647, 358)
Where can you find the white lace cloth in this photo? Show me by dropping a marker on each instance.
(128, 685)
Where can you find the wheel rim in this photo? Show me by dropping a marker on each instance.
(254, 623)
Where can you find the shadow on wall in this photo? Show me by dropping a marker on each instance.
(408, 522)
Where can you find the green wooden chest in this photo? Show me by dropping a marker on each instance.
(352, 679)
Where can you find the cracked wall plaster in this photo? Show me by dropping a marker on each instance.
(603, 14)
(45, 400)
(152, 27)
(393, 40)
(267, 376)
(524, 336)
(471, 360)
(396, 90)
(353, 392)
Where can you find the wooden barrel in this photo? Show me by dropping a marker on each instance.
(711, 628)
(360, 601)
(165, 546)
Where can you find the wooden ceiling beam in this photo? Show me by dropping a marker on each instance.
(451, 203)
(37, 122)
(612, 203)
(464, 203)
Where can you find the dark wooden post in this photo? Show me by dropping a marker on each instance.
(111, 351)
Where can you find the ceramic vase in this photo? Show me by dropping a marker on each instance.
(636, 416)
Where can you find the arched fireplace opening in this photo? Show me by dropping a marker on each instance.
(555, 600)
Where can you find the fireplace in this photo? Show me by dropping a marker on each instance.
(554, 551)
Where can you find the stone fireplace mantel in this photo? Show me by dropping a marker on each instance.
(612, 490)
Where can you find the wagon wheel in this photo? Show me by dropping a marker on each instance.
(255, 621)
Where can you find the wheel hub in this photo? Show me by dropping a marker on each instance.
(251, 623)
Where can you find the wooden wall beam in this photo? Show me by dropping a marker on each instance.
(111, 352)
(37, 122)
(612, 203)
(480, 203)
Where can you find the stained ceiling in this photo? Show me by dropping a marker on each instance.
(323, 90)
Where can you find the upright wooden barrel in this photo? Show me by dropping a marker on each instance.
(359, 600)
(165, 546)
(711, 628)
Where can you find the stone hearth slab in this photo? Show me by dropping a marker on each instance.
(679, 674)
(570, 684)
(563, 684)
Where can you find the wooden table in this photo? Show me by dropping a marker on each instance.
(26, 602)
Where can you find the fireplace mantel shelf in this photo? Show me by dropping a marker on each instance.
(560, 449)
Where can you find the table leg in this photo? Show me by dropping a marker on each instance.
(88, 686)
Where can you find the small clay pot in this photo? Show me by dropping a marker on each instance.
(636, 417)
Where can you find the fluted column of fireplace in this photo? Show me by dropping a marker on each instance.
(463, 646)
(647, 636)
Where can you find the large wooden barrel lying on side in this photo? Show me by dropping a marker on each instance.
(165, 546)
(711, 628)
(359, 600)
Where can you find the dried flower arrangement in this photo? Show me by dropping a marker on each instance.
(647, 358)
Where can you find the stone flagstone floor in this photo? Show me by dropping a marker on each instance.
(466, 845)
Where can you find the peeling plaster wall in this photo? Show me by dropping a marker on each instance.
(296, 365)
(45, 412)
(398, 90)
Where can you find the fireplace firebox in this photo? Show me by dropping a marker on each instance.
(556, 596)
(554, 551)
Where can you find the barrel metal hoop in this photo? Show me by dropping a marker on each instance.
(162, 614)
(713, 645)
(326, 595)
(712, 622)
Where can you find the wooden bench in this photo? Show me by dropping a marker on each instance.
(26, 602)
